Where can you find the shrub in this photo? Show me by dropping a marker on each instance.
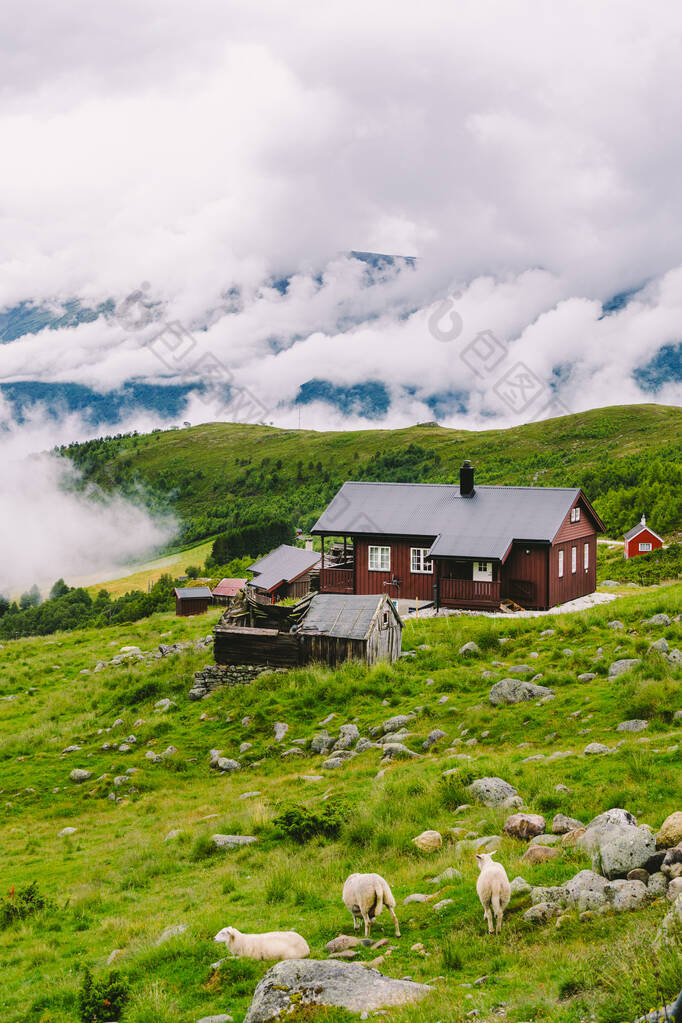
(18, 905)
(453, 788)
(204, 847)
(301, 823)
(103, 999)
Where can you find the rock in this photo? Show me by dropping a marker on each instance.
(232, 841)
(562, 825)
(344, 942)
(227, 764)
(245, 746)
(250, 795)
(349, 986)
(321, 742)
(613, 816)
(348, 734)
(668, 932)
(586, 890)
(617, 848)
(395, 723)
(674, 889)
(171, 932)
(363, 744)
(524, 825)
(639, 874)
(428, 841)
(432, 738)
(222, 1017)
(281, 729)
(398, 751)
(540, 854)
(659, 619)
(622, 896)
(469, 648)
(541, 913)
(80, 775)
(596, 749)
(623, 665)
(416, 897)
(672, 862)
(332, 763)
(555, 894)
(72, 749)
(514, 690)
(634, 725)
(442, 904)
(153, 757)
(586, 676)
(657, 885)
(65, 832)
(172, 835)
(671, 831)
(615, 624)
(661, 645)
(546, 839)
(163, 705)
(491, 791)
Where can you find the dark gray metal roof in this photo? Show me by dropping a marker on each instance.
(344, 615)
(638, 529)
(193, 592)
(283, 564)
(482, 526)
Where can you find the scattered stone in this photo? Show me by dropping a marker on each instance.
(524, 825)
(596, 749)
(469, 648)
(348, 734)
(245, 746)
(668, 932)
(586, 676)
(617, 848)
(428, 841)
(634, 725)
(561, 824)
(65, 832)
(364, 744)
(332, 983)
(321, 742)
(222, 1017)
(416, 897)
(623, 665)
(398, 751)
(551, 893)
(657, 885)
(395, 723)
(540, 854)
(232, 841)
(163, 705)
(433, 737)
(585, 891)
(442, 904)
(659, 619)
(79, 775)
(72, 749)
(281, 729)
(541, 913)
(171, 932)
(671, 865)
(671, 831)
(113, 955)
(491, 792)
(249, 795)
(344, 942)
(448, 875)
(514, 690)
(172, 835)
(674, 889)
(661, 645)
(622, 895)
(227, 764)
(615, 624)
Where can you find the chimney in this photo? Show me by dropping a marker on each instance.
(309, 543)
(643, 520)
(466, 480)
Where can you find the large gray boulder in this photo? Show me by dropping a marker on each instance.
(397, 722)
(524, 825)
(669, 1014)
(515, 690)
(671, 925)
(622, 895)
(561, 825)
(232, 841)
(623, 665)
(348, 734)
(348, 986)
(586, 890)
(491, 791)
(321, 742)
(618, 848)
(671, 864)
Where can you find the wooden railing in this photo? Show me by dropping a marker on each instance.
(336, 580)
(466, 591)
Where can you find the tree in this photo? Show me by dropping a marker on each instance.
(192, 571)
(4, 606)
(59, 589)
(31, 598)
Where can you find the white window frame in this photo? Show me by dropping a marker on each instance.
(418, 557)
(382, 552)
(575, 514)
(574, 560)
(482, 574)
(561, 564)
(586, 557)
(645, 547)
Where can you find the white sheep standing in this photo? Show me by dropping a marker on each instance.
(365, 895)
(493, 889)
(271, 945)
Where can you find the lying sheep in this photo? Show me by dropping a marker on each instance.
(272, 945)
(493, 890)
(365, 895)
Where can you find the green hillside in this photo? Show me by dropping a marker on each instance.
(628, 459)
(141, 860)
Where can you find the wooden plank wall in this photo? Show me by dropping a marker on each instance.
(412, 585)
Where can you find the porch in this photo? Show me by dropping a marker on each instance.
(469, 593)
(337, 579)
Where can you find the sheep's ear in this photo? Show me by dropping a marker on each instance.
(478, 857)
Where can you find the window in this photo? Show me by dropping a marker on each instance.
(419, 562)
(645, 547)
(379, 559)
(574, 559)
(575, 514)
(385, 620)
(586, 556)
(483, 572)
(561, 564)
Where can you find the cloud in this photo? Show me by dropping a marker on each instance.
(51, 530)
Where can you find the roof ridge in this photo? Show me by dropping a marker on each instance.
(480, 486)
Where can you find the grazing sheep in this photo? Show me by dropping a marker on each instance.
(272, 945)
(365, 895)
(493, 890)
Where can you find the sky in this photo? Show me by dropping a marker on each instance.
(222, 161)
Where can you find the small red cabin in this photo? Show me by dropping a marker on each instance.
(640, 540)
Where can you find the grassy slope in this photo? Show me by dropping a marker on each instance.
(117, 884)
(549, 452)
(175, 564)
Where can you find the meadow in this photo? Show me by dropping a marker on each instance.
(141, 860)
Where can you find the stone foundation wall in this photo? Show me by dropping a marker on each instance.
(214, 675)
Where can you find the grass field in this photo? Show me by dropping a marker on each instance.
(147, 574)
(119, 881)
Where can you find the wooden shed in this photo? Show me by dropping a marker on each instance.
(326, 627)
(284, 573)
(192, 600)
(227, 591)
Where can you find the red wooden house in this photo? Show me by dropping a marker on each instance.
(462, 546)
(640, 540)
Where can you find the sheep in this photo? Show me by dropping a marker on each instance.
(493, 890)
(365, 895)
(272, 945)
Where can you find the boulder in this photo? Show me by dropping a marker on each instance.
(596, 749)
(613, 816)
(669, 931)
(634, 725)
(639, 874)
(671, 865)
(674, 889)
(524, 825)
(428, 841)
(657, 885)
(321, 742)
(671, 831)
(364, 744)
(586, 676)
(618, 848)
(469, 648)
(586, 890)
(171, 932)
(348, 734)
(541, 912)
(668, 1014)
(398, 751)
(346, 941)
(395, 723)
(433, 737)
(514, 690)
(281, 729)
(659, 619)
(520, 892)
(540, 854)
(232, 841)
(65, 832)
(546, 839)
(449, 874)
(552, 893)
(491, 792)
(661, 645)
(623, 665)
(351, 986)
(615, 624)
(80, 775)
(622, 896)
(227, 764)
(561, 824)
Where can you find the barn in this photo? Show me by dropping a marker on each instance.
(326, 627)
(640, 540)
(463, 546)
(285, 572)
(192, 600)
(227, 590)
